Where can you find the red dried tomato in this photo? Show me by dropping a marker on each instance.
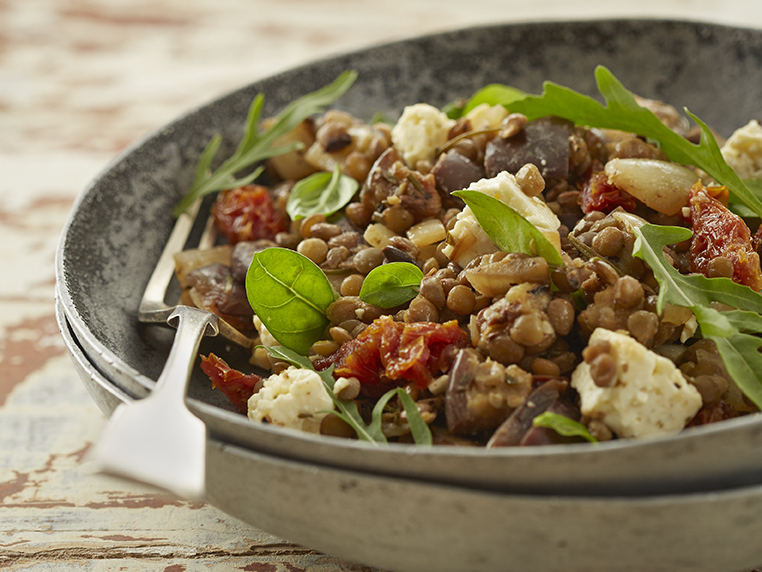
(238, 387)
(600, 195)
(719, 232)
(248, 213)
(398, 351)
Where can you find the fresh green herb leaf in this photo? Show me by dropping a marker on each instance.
(737, 349)
(419, 429)
(494, 94)
(390, 285)
(454, 109)
(755, 186)
(623, 112)
(282, 353)
(379, 117)
(693, 290)
(563, 426)
(346, 409)
(256, 146)
(510, 231)
(320, 193)
(290, 294)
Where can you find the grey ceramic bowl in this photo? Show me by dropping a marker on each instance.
(413, 526)
(122, 219)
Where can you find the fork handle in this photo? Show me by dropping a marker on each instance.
(192, 325)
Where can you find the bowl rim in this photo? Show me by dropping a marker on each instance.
(87, 338)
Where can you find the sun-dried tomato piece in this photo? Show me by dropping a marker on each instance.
(719, 232)
(248, 213)
(389, 350)
(238, 387)
(600, 195)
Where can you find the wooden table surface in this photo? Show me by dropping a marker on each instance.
(80, 80)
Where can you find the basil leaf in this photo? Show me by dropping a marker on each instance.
(738, 350)
(563, 425)
(510, 231)
(290, 294)
(623, 112)
(346, 409)
(256, 146)
(320, 193)
(391, 285)
(493, 94)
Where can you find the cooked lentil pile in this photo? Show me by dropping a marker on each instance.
(487, 340)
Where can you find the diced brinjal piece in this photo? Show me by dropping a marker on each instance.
(543, 142)
(415, 192)
(214, 289)
(481, 394)
(546, 436)
(242, 255)
(514, 429)
(454, 172)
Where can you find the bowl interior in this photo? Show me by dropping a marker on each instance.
(123, 218)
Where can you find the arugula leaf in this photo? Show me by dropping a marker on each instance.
(256, 146)
(493, 94)
(320, 193)
(737, 349)
(419, 429)
(346, 409)
(290, 294)
(623, 112)
(510, 231)
(563, 425)
(755, 186)
(392, 284)
(693, 290)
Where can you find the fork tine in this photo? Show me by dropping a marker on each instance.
(152, 307)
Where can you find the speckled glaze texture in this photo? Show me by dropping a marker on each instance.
(122, 220)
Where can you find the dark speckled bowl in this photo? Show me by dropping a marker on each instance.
(121, 222)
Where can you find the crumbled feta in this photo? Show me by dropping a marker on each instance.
(648, 396)
(486, 116)
(420, 130)
(467, 239)
(295, 398)
(265, 336)
(743, 151)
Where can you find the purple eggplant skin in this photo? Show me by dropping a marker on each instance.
(519, 430)
(543, 142)
(454, 172)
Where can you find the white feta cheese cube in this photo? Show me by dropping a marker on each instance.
(419, 131)
(295, 398)
(467, 238)
(648, 396)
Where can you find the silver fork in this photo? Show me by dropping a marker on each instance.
(157, 440)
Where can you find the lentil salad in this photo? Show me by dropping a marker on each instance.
(439, 318)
